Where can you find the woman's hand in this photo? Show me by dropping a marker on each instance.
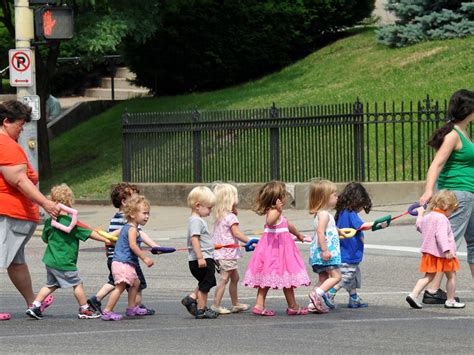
(51, 208)
(425, 198)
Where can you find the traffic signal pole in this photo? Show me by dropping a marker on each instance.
(24, 34)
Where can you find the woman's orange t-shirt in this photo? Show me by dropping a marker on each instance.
(12, 202)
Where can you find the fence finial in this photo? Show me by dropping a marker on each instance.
(273, 111)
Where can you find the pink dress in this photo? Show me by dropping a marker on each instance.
(276, 261)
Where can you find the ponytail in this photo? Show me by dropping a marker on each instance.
(460, 106)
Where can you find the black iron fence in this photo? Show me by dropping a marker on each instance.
(343, 142)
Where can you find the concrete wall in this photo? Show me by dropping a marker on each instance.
(382, 193)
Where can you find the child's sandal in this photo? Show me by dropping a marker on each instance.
(263, 312)
(301, 311)
(5, 316)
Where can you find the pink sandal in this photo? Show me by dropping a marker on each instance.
(263, 312)
(301, 311)
(48, 301)
(5, 316)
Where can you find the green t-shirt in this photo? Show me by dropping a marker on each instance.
(458, 171)
(63, 249)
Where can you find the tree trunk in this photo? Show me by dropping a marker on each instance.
(44, 73)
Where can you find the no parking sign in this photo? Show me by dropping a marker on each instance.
(20, 67)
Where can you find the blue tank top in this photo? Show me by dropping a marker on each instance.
(123, 253)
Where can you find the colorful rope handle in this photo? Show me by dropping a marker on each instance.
(378, 222)
(71, 212)
(249, 245)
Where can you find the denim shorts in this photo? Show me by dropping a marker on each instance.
(462, 222)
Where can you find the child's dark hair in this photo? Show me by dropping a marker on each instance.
(353, 197)
(460, 106)
(122, 191)
(268, 195)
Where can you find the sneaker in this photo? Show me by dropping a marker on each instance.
(88, 313)
(311, 308)
(318, 302)
(206, 314)
(241, 307)
(453, 304)
(34, 312)
(149, 311)
(439, 297)
(413, 302)
(95, 304)
(328, 301)
(220, 310)
(111, 316)
(357, 303)
(135, 312)
(190, 304)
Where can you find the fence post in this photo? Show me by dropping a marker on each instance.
(359, 162)
(126, 158)
(197, 155)
(274, 146)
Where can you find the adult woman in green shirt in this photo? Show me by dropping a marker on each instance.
(453, 169)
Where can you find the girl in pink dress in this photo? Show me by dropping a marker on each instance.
(276, 262)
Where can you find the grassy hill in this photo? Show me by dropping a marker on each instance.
(88, 157)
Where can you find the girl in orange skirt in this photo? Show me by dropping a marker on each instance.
(438, 248)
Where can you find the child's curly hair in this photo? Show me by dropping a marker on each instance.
(268, 195)
(122, 191)
(353, 198)
(444, 200)
(133, 205)
(62, 194)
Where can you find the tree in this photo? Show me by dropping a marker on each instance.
(420, 20)
(209, 44)
(100, 29)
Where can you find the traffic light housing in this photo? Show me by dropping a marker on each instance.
(54, 23)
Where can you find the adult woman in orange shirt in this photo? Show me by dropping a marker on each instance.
(19, 199)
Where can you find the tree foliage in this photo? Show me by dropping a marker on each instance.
(208, 44)
(420, 20)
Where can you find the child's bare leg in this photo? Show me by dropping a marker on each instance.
(322, 277)
(332, 279)
(290, 298)
(220, 289)
(261, 296)
(422, 283)
(194, 294)
(435, 284)
(234, 282)
(202, 299)
(451, 284)
(80, 294)
(114, 296)
(104, 291)
(132, 294)
(44, 292)
(139, 297)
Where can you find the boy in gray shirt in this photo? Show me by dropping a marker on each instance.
(200, 249)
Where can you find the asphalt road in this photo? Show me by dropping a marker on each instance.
(388, 325)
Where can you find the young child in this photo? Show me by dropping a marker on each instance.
(438, 248)
(353, 199)
(60, 258)
(119, 195)
(276, 262)
(325, 254)
(125, 260)
(200, 253)
(226, 231)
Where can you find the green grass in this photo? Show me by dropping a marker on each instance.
(89, 157)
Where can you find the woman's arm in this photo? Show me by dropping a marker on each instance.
(132, 241)
(451, 141)
(16, 177)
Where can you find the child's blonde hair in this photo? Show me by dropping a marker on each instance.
(133, 204)
(227, 197)
(319, 193)
(444, 200)
(203, 195)
(268, 195)
(62, 194)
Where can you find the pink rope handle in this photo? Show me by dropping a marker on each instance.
(72, 212)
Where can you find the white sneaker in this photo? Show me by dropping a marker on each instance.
(220, 310)
(453, 304)
(241, 307)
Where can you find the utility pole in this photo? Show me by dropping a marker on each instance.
(24, 34)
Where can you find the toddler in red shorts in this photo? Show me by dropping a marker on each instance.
(438, 248)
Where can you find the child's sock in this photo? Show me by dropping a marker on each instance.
(85, 306)
(354, 296)
(36, 304)
(332, 291)
(320, 291)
